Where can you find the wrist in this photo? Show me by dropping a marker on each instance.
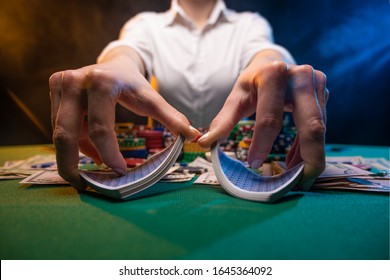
(124, 56)
(268, 55)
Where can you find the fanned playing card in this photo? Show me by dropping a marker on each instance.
(244, 183)
(137, 179)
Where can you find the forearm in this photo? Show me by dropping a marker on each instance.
(268, 55)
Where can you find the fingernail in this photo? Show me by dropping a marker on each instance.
(196, 139)
(119, 171)
(256, 164)
(194, 131)
(203, 137)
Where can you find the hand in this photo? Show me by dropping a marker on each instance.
(269, 88)
(83, 111)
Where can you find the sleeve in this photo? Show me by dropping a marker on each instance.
(260, 37)
(135, 34)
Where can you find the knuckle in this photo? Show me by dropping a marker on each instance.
(269, 124)
(317, 129)
(279, 67)
(320, 79)
(303, 77)
(97, 131)
(258, 75)
(61, 136)
(98, 79)
(274, 70)
(70, 77)
(55, 81)
(70, 80)
(305, 69)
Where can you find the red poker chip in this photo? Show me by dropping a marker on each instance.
(133, 162)
(149, 133)
(154, 142)
(155, 150)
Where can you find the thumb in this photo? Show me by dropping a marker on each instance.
(167, 115)
(177, 123)
(220, 128)
(234, 109)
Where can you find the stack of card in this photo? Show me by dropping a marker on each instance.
(244, 183)
(136, 179)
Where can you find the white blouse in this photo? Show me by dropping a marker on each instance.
(196, 69)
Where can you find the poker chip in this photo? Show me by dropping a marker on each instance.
(141, 141)
(138, 153)
(192, 147)
(188, 157)
(148, 134)
(155, 151)
(133, 162)
(124, 128)
(131, 142)
(153, 138)
(191, 170)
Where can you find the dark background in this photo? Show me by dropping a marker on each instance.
(349, 40)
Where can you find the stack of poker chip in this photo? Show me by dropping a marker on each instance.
(241, 136)
(124, 129)
(239, 139)
(285, 138)
(242, 130)
(153, 138)
(192, 150)
(168, 138)
(132, 147)
(129, 145)
(243, 148)
(134, 162)
(283, 143)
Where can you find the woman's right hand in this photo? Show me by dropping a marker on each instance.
(83, 103)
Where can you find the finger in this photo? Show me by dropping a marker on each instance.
(294, 156)
(102, 97)
(235, 108)
(269, 113)
(308, 118)
(67, 129)
(55, 87)
(152, 104)
(326, 95)
(175, 121)
(321, 90)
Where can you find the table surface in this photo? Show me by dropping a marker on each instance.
(191, 222)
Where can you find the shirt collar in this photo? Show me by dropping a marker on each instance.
(219, 11)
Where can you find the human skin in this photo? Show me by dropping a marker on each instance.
(83, 107)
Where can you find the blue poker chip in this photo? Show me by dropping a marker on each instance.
(142, 153)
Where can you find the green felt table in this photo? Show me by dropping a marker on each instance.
(191, 222)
